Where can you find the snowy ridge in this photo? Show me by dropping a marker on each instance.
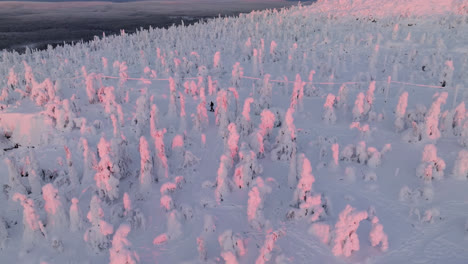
(338, 133)
(381, 9)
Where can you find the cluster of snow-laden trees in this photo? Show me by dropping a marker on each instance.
(131, 142)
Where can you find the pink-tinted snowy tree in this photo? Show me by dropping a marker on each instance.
(223, 185)
(460, 169)
(400, 112)
(13, 176)
(286, 139)
(247, 168)
(172, 108)
(232, 246)
(106, 179)
(57, 220)
(431, 130)
(34, 230)
(76, 218)
(98, 235)
(237, 74)
(431, 167)
(141, 118)
(146, 167)
(266, 93)
(221, 113)
(161, 161)
(89, 161)
(121, 251)
(255, 204)
(232, 141)
(329, 116)
(304, 202)
(244, 122)
(377, 236)
(297, 94)
(358, 110)
(268, 247)
(346, 239)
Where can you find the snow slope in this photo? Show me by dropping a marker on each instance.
(339, 136)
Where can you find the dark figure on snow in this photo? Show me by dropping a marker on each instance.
(211, 107)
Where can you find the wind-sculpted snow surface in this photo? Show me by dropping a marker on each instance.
(335, 132)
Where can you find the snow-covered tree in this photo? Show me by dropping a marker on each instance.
(97, 236)
(400, 111)
(76, 218)
(232, 246)
(247, 168)
(57, 220)
(13, 176)
(266, 93)
(309, 88)
(266, 250)
(463, 139)
(232, 141)
(121, 251)
(244, 122)
(223, 185)
(304, 202)
(377, 236)
(174, 229)
(146, 166)
(460, 169)
(358, 109)
(237, 74)
(255, 203)
(432, 117)
(107, 182)
(161, 161)
(34, 230)
(221, 113)
(329, 116)
(34, 179)
(142, 114)
(458, 119)
(172, 108)
(345, 237)
(431, 167)
(286, 139)
(72, 171)
(89, 161)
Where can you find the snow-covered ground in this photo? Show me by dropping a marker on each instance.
(339, 135)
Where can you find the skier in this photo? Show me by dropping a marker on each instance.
(211, 107)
